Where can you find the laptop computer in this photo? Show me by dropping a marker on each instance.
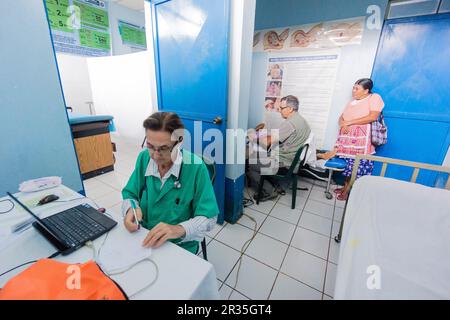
(70, 229)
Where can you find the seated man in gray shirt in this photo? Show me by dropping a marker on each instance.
(292, 134)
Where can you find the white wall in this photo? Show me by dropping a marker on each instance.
(121, 88)
(116, 13)
(73, 69)
(239, 75)
(75, 81)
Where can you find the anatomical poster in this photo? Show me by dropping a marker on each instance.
(311, 77)
(323, 35)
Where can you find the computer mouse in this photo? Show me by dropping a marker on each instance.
(47, 199)
(101, 210)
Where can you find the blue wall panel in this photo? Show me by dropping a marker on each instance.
(35, 137)
(282, 13)
(411, 73)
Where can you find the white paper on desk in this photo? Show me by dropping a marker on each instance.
(123, 251)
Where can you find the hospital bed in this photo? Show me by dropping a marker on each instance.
(395, 237)
(91, 136)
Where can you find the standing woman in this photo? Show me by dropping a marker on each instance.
(355, 135)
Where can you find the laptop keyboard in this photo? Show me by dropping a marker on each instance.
(74, 227)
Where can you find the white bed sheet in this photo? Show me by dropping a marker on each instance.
(395, 242)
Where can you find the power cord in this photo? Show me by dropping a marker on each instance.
(32, 261)
(96, 255)
(246, 243)
(10, 209)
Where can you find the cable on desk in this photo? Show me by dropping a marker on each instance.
(132, 266)
(96, 254)
(32, 261)
(10, 209)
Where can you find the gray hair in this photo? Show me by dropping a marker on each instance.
(291, 101)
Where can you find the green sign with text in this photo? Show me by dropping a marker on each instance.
(132, 35)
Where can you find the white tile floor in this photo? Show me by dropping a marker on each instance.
(292, 256)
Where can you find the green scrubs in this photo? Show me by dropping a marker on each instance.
(173, 205)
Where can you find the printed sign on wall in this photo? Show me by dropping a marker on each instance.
(310, 76)
(132, 35)
(80, 27)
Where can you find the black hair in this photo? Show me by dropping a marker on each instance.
(366, 83)
(165, 121)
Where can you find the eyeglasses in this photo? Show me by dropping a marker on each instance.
(163, 149)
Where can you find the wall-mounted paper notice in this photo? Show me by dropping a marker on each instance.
(80, 27)
(132, 35)
(311, 77)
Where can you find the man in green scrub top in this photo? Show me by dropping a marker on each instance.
(170, 188)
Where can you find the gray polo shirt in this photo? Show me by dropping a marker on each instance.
(294, 132)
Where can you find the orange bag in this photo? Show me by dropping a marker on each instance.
(54, 280)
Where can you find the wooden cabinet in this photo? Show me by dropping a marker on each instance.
(94, 148)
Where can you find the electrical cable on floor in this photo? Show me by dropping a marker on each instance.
(248, 202)
(255, 231)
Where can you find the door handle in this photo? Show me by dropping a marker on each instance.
(217, 120)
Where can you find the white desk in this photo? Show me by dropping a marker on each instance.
(182, 275)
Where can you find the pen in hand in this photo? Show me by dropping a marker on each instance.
(133, 206)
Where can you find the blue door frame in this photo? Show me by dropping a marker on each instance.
(190, 41)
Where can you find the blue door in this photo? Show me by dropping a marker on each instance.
(411, 73)
(191, 56)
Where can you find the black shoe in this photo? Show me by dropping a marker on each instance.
(265, 196)
(281, 191)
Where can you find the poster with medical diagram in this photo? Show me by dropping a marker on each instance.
(311, 77)
(323, 35)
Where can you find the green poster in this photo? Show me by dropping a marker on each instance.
(132, 35)
(92, 17)
(58, 16)
(95, 39)
(80, 26)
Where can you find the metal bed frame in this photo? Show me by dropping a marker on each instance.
(416, 165)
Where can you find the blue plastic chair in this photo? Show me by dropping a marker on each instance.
(332, 165)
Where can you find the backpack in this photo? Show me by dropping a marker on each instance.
(54, 280)
(379, 131)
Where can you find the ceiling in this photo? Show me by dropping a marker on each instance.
(132, 4)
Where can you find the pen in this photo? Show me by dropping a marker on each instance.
(133, 206)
